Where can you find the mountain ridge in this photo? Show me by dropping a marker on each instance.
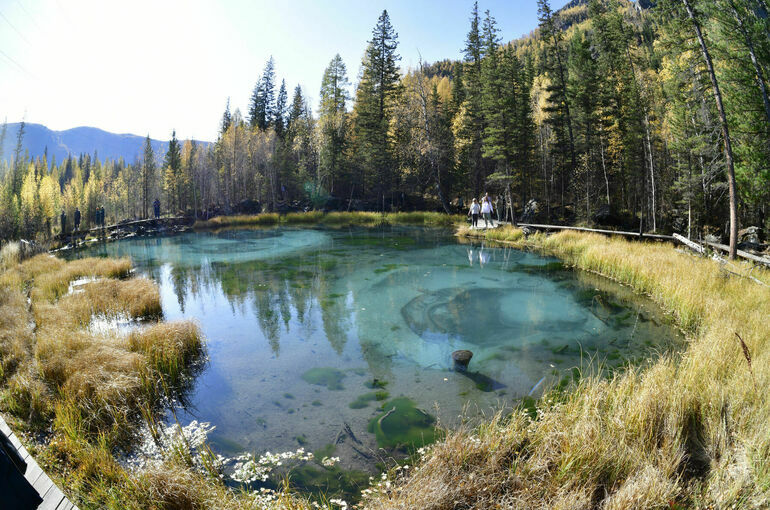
(60, 144)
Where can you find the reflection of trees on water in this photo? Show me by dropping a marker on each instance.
(276, 290)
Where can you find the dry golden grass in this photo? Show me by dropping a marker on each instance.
(170, 348)
(238, 220)
(9, 255)
(689, 430)
(369, 219)
(86, 391)
(52, 276)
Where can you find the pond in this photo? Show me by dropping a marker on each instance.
(340, 340)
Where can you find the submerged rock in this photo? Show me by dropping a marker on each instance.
(461, 359)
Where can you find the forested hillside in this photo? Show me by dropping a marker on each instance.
(609, 112)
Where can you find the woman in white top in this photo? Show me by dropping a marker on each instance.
(486, 211)
(474, 213)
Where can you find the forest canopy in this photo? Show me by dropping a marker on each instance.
(610, 112)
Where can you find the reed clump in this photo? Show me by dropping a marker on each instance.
(687, 431)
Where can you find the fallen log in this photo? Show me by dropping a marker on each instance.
(743, 254)
(690, 244)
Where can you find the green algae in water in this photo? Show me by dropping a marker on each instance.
(402, 424)
(329, 377)
(376, 383)
(325, 451)
(330, 482)
(364, 400)
(388, 267)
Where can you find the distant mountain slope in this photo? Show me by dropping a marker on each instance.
(76, 141)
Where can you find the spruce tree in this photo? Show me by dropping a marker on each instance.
(224, 125)
(262, 106)
(147, 175)
(173, 170)
(376, 97)
(559, 103)
(333, 119)
(473, 119)
(279, 117)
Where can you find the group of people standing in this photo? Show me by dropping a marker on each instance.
(485, 208)
(99, 221)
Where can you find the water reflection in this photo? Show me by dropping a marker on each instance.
(387, 305)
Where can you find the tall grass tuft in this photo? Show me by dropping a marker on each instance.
(9, 255)
(170, 347)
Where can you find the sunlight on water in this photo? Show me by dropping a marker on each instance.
(315, 335)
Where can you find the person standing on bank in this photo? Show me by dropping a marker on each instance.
(156, 208)
(77, 218)
(63, 219)
(486, 211)
(474, 213)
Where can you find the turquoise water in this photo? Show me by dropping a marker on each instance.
(311, 331)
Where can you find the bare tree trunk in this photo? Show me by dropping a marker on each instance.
(652, 170)
(604, 169)
(725, 131)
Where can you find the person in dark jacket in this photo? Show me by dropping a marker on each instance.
(101, 216)
(77, 218)
(63, 219)
(156, 208)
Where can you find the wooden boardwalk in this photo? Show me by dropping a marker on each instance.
(53, 497)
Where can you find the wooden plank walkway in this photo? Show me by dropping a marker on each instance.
(599, 231)
(53, 497)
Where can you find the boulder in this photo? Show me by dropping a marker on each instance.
(461, 359)
(530, 212)
(751, 235)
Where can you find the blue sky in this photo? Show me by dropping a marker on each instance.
(148, 66)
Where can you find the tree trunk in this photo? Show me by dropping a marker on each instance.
(604, 169)
(652, 170)
(725, 131)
